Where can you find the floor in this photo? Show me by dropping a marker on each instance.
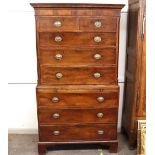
(27, 145)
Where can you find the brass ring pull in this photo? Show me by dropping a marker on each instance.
(55, 99)
(56, 115)
(59, 75)
(58, 39)
(100, 115)
(97, 75)
(97, 39)
(58, 56)
(56, 133)
(100, 99)
(98, 24)
(57, 24)
(97, 56)
(100, 132)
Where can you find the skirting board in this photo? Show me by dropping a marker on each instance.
(28, 131)
(22, 131)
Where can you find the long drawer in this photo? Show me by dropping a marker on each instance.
(78, 75)
(103, 99)
(77, 132)
(78, 56)
(88, 115)
(74, 23)
(77, 39)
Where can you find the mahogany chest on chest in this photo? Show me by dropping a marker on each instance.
(77, 91)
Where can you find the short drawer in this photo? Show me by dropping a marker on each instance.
(89, 115)
(77, 39)
(78, 75)
(79, 56)
(104, 99)
(56, 24)
(98, 24)
(78, 132)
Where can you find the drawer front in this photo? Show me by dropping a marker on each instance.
(74, 24)
(104, 99)
(72, 56)
(77, 39)
(61, 116)
(56, 24)
(78, 132)
(80, 75)
(98, 24)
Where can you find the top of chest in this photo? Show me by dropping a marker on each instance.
(76, 9)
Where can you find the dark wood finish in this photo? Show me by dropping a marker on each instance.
(113, 147)
(78, 132)
(76, 5)
(46, 24)
(77, 88)
(69, 111)
(77, 39)
(74, 75)
(77, 12)
(77, 9)
(84, 56)
(109, 24)
(77, 99)
(75, 24)
(42, 146)
(135, 87)
(41, 149)
(76, 115)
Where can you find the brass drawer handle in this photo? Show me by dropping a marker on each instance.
(100, 99)
(55, 99)
(98, 24)
(59, 75)
(100, 115)
(57, 24)
(97, 56)
(58, 39)
(56, 115)
(97, 75)
(58, 56)
(56, 133)
(100, 132)
(97, 39)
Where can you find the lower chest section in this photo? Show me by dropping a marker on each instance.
(81, 112)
